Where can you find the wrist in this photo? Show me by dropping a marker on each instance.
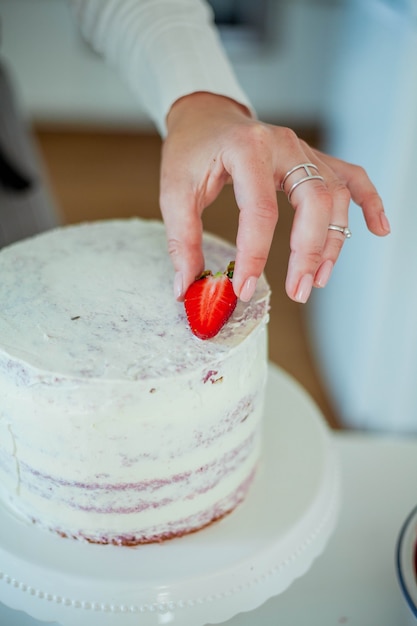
(202, 102)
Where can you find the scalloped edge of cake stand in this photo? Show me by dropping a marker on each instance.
(233, 566)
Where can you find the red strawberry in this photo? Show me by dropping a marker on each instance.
(210, 301)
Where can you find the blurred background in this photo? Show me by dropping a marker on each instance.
(343, 74)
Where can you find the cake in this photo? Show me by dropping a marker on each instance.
(117, 424)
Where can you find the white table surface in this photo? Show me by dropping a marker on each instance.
(353, 582)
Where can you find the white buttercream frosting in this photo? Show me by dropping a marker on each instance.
(116, 423)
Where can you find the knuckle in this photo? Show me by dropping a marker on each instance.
(288, 137)
(181, 249)
(305, 146)
(256, 258)
(373, 201)
(334, 247)
(266, 212)
(313, 191)
(174, 247)
(317, 192)
(311, 254)
(314, 257)
(341, 193)
(255, 136)
(359, 172)
(321, 190)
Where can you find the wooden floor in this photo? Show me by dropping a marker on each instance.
(95, 174)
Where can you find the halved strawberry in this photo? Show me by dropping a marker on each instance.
(209, 302)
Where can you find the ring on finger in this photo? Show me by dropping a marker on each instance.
(309, 175)
(341, 229)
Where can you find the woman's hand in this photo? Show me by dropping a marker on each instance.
(211, 141)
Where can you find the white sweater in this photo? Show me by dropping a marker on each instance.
(164, 49)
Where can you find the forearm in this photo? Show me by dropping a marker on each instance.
(164, 49)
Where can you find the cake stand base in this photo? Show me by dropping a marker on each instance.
(208, 577)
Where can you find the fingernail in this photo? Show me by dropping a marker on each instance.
(248, 289)
(385, 223)
(323, 273)
(304, 288)
(178, 285)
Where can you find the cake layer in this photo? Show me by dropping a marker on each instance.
(116, 423)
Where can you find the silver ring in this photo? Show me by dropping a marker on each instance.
(307, 167)
(341, 229)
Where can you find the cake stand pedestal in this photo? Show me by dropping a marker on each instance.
(208, 577)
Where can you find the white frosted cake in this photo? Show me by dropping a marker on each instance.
(117, 424)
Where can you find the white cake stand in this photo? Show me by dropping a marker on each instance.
(208, 577)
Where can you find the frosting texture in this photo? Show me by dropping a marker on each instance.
(116, 423)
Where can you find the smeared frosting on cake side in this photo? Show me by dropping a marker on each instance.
(116, 423)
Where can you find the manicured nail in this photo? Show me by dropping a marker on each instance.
(385, 223)
(178, 285)
(304, 288)
(248, 289)
(323, 273)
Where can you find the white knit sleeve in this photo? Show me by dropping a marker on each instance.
(164, 49)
